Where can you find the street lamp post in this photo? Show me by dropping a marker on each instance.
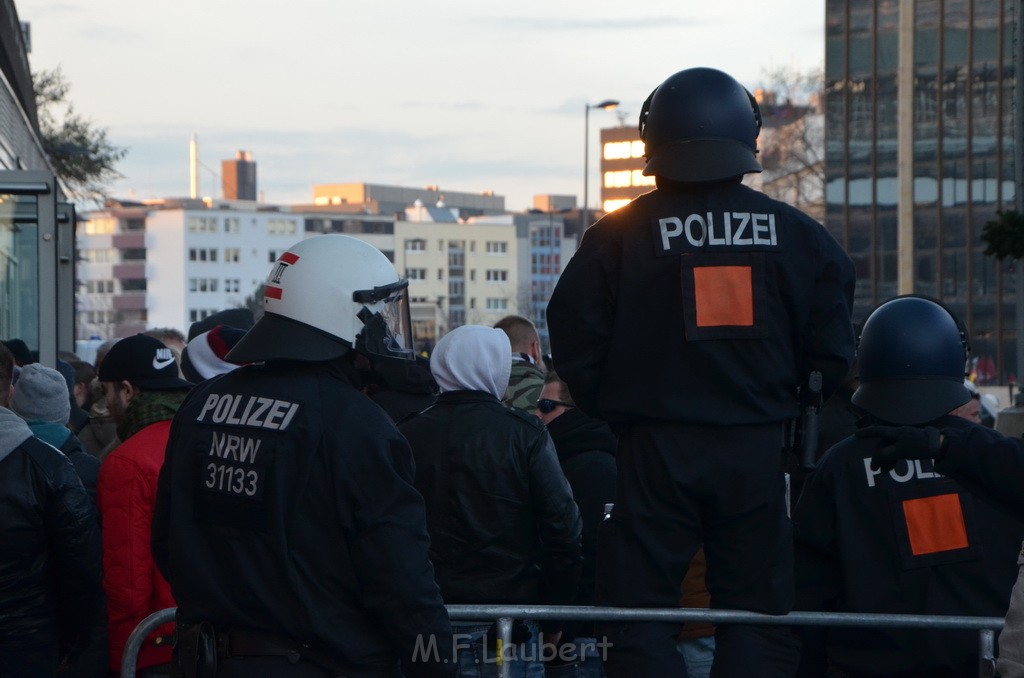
(605, 105)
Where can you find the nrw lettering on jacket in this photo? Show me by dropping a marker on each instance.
(250, 411)
(727, 229)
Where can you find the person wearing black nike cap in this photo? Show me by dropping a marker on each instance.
(140, 380)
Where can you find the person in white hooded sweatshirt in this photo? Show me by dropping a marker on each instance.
(504, 528)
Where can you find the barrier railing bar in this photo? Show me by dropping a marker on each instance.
(566, 613)
(986, 626)
(986, 653)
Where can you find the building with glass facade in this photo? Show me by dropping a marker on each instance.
(963, 89)
(37, 268)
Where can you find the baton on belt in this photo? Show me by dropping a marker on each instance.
(812, 404)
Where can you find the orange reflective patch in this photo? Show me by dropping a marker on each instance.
(724, 296)
(935, 524)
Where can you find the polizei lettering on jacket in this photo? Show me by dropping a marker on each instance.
(249, 411)
(744, 230)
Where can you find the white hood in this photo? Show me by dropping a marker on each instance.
(13, 432)
(473, 358)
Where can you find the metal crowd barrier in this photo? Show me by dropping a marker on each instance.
(504, 614)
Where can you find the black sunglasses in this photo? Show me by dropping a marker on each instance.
(546, 405)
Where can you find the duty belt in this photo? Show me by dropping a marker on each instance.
(235, 643)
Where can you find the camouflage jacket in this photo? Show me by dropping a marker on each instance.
(524, 386)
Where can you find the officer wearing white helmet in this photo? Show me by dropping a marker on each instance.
(687, 320)
(287, 523)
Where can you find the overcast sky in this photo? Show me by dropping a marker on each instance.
(467, 95)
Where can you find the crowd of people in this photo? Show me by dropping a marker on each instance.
(309, 494)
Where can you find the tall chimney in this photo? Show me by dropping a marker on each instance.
(193, 167)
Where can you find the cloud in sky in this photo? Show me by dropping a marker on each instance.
(466, 95)
(590, 24)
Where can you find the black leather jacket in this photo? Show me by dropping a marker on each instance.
(51, 560)
(502, 521)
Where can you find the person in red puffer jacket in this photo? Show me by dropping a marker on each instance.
(141, 382)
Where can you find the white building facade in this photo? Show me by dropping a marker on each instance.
(169, 263)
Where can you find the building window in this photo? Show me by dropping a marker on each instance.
(99, 226)
(202, 284)
(232, 285)
(197, 314)
(99, 256)
(281, 227)
(202, 254)
(99, 286)
(416, 245)
(497, 247)
(619, 150)
(440, 274)
(497, 275)
(232, 255)
(134, 285)
(416, 273)
(202, 224)
(497, 304)
(612, 205)
(272, 256)
(617, 179)
(232, 225)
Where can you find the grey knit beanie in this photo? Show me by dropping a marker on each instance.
(41, 394)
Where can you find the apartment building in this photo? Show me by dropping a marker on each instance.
(172, 262)
(169, 263)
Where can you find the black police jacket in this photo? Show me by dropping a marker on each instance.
(987, 463)
(51, 560)
(286, 505)
(909, 541)
(503, 525)
(702, 304)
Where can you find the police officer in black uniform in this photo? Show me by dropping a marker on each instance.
(904, 539)
(688, 320)
(287, 522)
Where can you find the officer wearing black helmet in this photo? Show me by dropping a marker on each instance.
(688, 320)
(904, 539)
(286, 521)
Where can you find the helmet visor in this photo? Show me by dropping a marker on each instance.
(388, 331)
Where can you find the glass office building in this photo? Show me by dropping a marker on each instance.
(962, 157)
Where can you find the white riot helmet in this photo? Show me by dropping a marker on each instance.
(325, 295)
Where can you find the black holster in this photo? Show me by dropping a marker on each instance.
(195, 651)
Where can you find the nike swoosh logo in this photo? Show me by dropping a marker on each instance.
(161, 364)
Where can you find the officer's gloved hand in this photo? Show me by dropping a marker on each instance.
(901, 442)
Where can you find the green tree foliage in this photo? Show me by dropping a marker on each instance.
(82, 156)
(1004, 235)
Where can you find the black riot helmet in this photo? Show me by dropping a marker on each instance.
(700, 125)
(912, 353)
